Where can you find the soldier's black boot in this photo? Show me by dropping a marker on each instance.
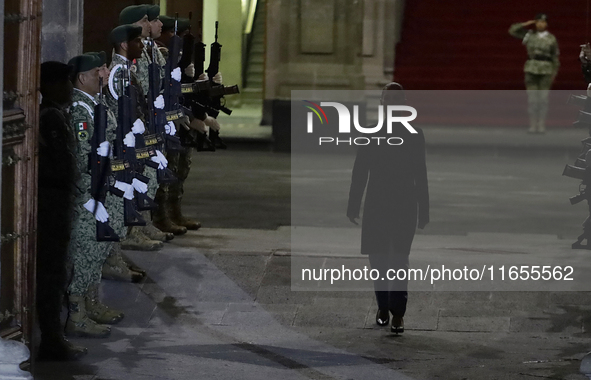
(216, 141)
(78, 323)
(162, 216)
(58, 348)
(177, 216)
(204, 144)
(53, 347)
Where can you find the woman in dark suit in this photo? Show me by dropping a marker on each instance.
(397, 195)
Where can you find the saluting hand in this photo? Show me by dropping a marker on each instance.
(528, 23)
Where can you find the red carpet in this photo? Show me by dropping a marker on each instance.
(465, 45)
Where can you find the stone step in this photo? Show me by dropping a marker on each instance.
(254, 69)
(257, 49)
(251, 91)
(256, 58)
(254, 81)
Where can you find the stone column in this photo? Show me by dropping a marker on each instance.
(12, 354)
(382, 20)
(312, 45)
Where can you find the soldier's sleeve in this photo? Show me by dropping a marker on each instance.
(518, 31)
(555, 56)
(83, 127)
(164, 52)
(55, 152)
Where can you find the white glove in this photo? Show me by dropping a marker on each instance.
(170, 128)
(103, 149)
(198, 125)
(190, 71)
(160, 160)
(159, 102)
(126, 188)
(101, 213)
(203, 77)
(129, 140)
(589, 90)
(182, 122)
(212, 123)
(217, 78)
(138, 127)
(176, 74)
(139, 186)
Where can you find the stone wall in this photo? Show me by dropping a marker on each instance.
(61, 35)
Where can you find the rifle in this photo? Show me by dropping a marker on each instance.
(100, 170)
(157, 137)
(187, 57)
(172, 89)
(218, 91)
(126, 116)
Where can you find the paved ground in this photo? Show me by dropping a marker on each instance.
(218, 302)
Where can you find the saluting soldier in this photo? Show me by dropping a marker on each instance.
(540, 68)
(57, 177)
(87, 315)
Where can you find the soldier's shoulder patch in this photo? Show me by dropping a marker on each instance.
(82, 135)
(80, 126)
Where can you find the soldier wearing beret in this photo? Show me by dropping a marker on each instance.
(87, 315)
(115, 266)
(128, 46)
(168, 216)
(57, 178)
(540, 68)
(145, 16)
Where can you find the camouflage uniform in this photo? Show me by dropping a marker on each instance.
(115, 266)
(142, 78)
(142, 73)
(540, 70)
(179, 162)
(57, 176)
(149, 172)
(87, 254)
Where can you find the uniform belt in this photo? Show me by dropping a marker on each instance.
(542, 58)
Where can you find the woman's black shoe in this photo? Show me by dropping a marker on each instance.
(382, 317)
(397, 325)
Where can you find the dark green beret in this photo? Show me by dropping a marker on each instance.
(84, 62)
(153, 12)
(133, 13)
(101, 54)
(125, 33)
(168, 23)
(541, 16)
(55, 72)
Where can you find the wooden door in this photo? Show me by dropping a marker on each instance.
(21, 57)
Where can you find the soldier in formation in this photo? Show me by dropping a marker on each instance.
(89, 234)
